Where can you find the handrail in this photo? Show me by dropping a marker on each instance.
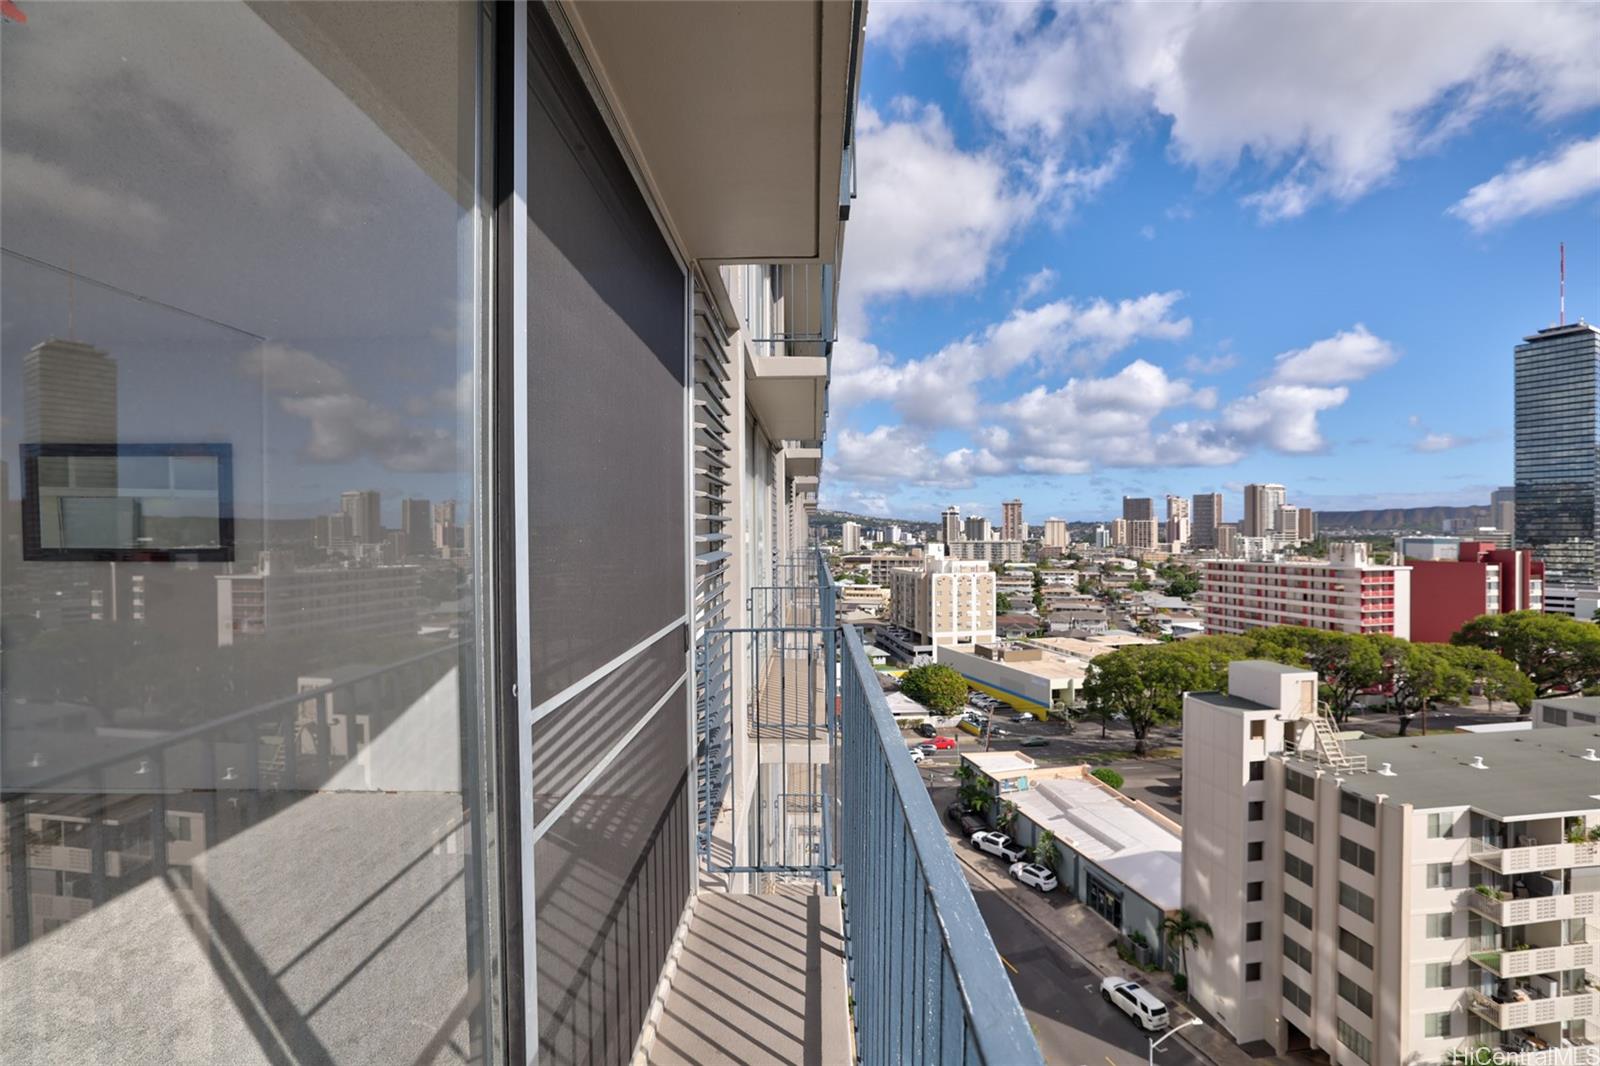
(927, 979)
(228, 721)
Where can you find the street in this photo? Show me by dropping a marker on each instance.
(1061, 996)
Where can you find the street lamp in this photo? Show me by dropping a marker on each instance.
(1170, 1034)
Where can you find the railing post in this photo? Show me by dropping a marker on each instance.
(825, 595)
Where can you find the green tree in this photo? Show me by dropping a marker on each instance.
(1421, 675)
(1184, 928)
(1556, 653)
(1183, 584)
(1145, 684)
(1496, 675)
(1108, 775)
(935, 685)
(1347, 664)
(1002, 603)
(1045, 849)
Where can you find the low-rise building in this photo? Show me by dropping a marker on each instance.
(280, 599)
(1347, 593)
(1387, 900)
(986, 551)
(1021, 674)
(1479, 579)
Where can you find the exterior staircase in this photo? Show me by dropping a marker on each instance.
(1329, 748)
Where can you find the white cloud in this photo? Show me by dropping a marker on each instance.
(1440, 442)
(292, 371)
(1213, 364)
(941, 389)
(1355, 89)
(1527, 187)
(1282, 417)
(1348, 355)
(1036, 284)
(40, 185)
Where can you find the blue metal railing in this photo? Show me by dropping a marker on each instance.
(926, 979)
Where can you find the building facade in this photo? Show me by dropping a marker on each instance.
(1347, 593)
(1056, 534)
(850, 536)
(978, 527)
(1557, 493)
(1012, 526)
(1205, 515)
(987, 551)
(1386, 900)
(947, 601)
(1481, 579)
(950, 525)
(1138, 509)
(1261, 503)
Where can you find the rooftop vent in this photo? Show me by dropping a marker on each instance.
(1477, 763)
(1387, 769)
(1591, 756)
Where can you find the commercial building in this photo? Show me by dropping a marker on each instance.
(1020, 674)
(1261, 503)
(1482, 579)
(850, 536)
(1205, 515)
(978, 528)
(879, 567)
(1347, 593)
(416, 526)
(1138, 533)
(574, 267)
(278, 599)
(1386, 900)
(947, 601)
(1574, 602)
(1103, 536)
(1177, 529)
(1427, 548)
(1138, 509)
(1558, 451)
(1012, 527)
(1503, 508)
(1307, 525)
(1056, 534)
(1228, 540)
(950, 525)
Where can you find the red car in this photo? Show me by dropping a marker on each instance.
(938, 744)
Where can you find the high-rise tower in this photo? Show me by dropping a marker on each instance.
(1557, 434)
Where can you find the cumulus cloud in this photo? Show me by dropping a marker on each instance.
(941, 389)
(1356, 88)
(44, 186)
(1528, 187)
(1036, 284)
(1211, 364)
(1348, 355)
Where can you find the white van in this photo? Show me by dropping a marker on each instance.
(1147, 1011)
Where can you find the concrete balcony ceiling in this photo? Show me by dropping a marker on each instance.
(789, 394)
(802, 461)
(736, 112)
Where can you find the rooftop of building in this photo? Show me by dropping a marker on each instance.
(1533, 774)
(1226, 702)
(1576, 703)
(1548, 332)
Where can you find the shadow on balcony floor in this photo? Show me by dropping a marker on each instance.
(761, 980)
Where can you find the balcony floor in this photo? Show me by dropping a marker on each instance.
(760, 980)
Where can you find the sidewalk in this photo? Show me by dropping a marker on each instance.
(1085, 934)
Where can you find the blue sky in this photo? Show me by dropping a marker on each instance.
(1107, 250)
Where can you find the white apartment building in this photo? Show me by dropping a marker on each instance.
(1347, 593)
(986, 551)
(279, 599)
(1056, 534)
(948, 601)
(1387, 900)
(1261, 503)
(1177, 526)
(850, 536)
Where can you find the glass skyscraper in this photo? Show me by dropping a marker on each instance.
(1558, 432)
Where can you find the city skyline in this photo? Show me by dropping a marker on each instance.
(1097, 276)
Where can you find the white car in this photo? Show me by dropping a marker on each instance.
(1148, 1012)
(1024, 717)
(917, 756)
(998, 844)
(1031, 873)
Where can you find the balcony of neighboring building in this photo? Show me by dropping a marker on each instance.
(1527, 961)
(1507, 908)
(1522, 1008)
(1535, 858)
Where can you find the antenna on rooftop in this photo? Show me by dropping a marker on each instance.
(1563, 283)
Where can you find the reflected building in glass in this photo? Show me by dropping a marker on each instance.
(1558, 451)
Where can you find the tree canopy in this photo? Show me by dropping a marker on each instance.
(935, 685)
(1556, 653)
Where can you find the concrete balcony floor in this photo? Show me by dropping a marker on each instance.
(760, 979)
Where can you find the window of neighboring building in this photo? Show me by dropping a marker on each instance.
(1303, 828)
(1358, 807)
(1297, 910)
(1440, 875)
(1252, 931)
(1256, 811)
(1440, 925)
(1252, 891)
(1297, 995)
(1355, 947)
(1300, 784)
(1258, 729)
(1358, 855)
(1437, 1024)
(1440, 825)
(1258, 770)
(1252, 971)
(1353, 899)
(1360, 1045)
(1298, 868)
(1353, 993)
(1253, 851)
(1298, 952)
(1437, 975)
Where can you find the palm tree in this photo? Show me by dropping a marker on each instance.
(1007, 816)
(979, 801)
(1045, 851)
(1184, 929)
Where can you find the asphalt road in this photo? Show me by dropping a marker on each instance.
(1061, 997)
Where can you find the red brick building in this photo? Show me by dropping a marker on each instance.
(1482, 579)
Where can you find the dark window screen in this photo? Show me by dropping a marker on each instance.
(606, 427)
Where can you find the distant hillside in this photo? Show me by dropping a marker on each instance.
(1401, 518)
(832, 520)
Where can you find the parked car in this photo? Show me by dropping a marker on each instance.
(956, 811)
(1031, 873)
(937, 744)
(998, 844)
(918, 755)
(1034, 742)
(925, 729)
(1025, 716)
(1146, 1010)
(972, 823)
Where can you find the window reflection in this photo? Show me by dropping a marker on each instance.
(238, 774)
